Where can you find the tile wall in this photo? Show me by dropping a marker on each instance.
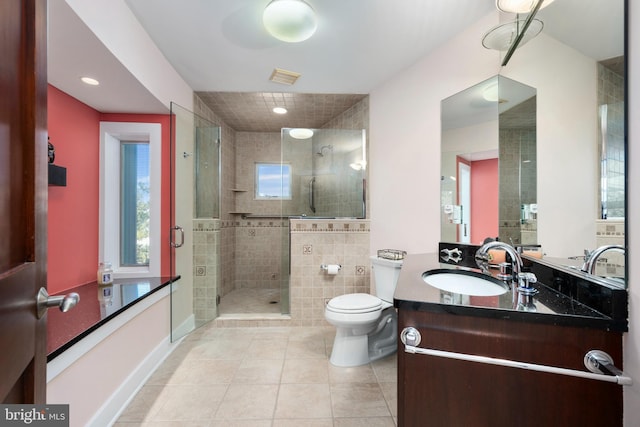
(517, 183)
(611, 95)
(206, 268)
(317, 242)
(610, 232)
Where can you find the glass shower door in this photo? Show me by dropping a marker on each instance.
(195, 209)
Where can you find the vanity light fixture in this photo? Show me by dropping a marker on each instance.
(301, 133)
(291, 21)
(90, 81)
(520, 6)
(279, 110)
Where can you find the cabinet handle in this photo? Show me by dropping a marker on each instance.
(598, 362)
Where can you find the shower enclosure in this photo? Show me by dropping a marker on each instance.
(611, 111)
(195, 216)
(229, 254)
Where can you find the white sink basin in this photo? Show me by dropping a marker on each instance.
(464, 282)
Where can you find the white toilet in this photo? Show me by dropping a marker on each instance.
(366, 325)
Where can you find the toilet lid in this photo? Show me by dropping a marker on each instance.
(355, 303)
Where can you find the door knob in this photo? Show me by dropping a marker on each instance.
(44, 301)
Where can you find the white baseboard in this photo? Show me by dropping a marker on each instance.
(108, 413)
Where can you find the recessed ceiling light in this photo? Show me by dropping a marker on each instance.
(90, 81)
(279, 110)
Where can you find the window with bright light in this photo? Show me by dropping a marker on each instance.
(273, 181)
(135, 207)
(130, 170)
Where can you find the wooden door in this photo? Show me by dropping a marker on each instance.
(23, 199)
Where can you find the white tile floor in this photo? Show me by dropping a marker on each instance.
(264, 377)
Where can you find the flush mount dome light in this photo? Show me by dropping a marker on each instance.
(279, 110)
(520, 6)
(490, 93)
(301, 133)
(290, 20)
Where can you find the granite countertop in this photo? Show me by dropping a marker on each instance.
(563, 298)
(98, 304)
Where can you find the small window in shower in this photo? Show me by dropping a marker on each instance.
(273, 181)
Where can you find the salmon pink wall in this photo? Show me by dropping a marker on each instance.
(73, 210)
(74, 130)
(484, 199)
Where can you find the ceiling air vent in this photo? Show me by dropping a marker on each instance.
(283, 76)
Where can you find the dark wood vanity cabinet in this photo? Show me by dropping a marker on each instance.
(436, 391)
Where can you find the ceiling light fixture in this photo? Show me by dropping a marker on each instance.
(291, 21)
(301, 133)
(520, 6)
(90, 81)
(279, 110)
(490, 93)
(502, 36)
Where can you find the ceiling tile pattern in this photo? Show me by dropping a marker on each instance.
(252, 111)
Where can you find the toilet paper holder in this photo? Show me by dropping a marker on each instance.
(326, 267)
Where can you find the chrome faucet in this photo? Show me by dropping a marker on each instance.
(522, 280)
(483, 257)
(590, 258)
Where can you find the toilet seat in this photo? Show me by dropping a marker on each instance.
(355, 304)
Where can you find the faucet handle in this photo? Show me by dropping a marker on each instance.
(526, 279)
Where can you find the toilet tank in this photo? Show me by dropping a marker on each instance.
(385, 277)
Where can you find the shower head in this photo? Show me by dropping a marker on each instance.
(323, 148)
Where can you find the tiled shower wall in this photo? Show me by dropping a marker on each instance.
(317, 242)
(517, 183)
(259, 253)
(345, 242)
(207, 272)
(611, 94)
(227, 203)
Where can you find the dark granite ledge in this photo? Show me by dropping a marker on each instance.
(564, 297)
(98, 305)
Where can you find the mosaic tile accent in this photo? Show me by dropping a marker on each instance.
(610, 232)
(330, 225)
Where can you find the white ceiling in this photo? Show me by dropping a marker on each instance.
(221, 46)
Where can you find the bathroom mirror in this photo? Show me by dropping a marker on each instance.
(577, 69)
(488, 163)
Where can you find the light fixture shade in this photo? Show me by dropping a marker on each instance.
(301, 133)
(502, 36)
(519, 6)
(290, 20)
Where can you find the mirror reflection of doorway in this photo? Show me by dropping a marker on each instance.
(464, 200)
